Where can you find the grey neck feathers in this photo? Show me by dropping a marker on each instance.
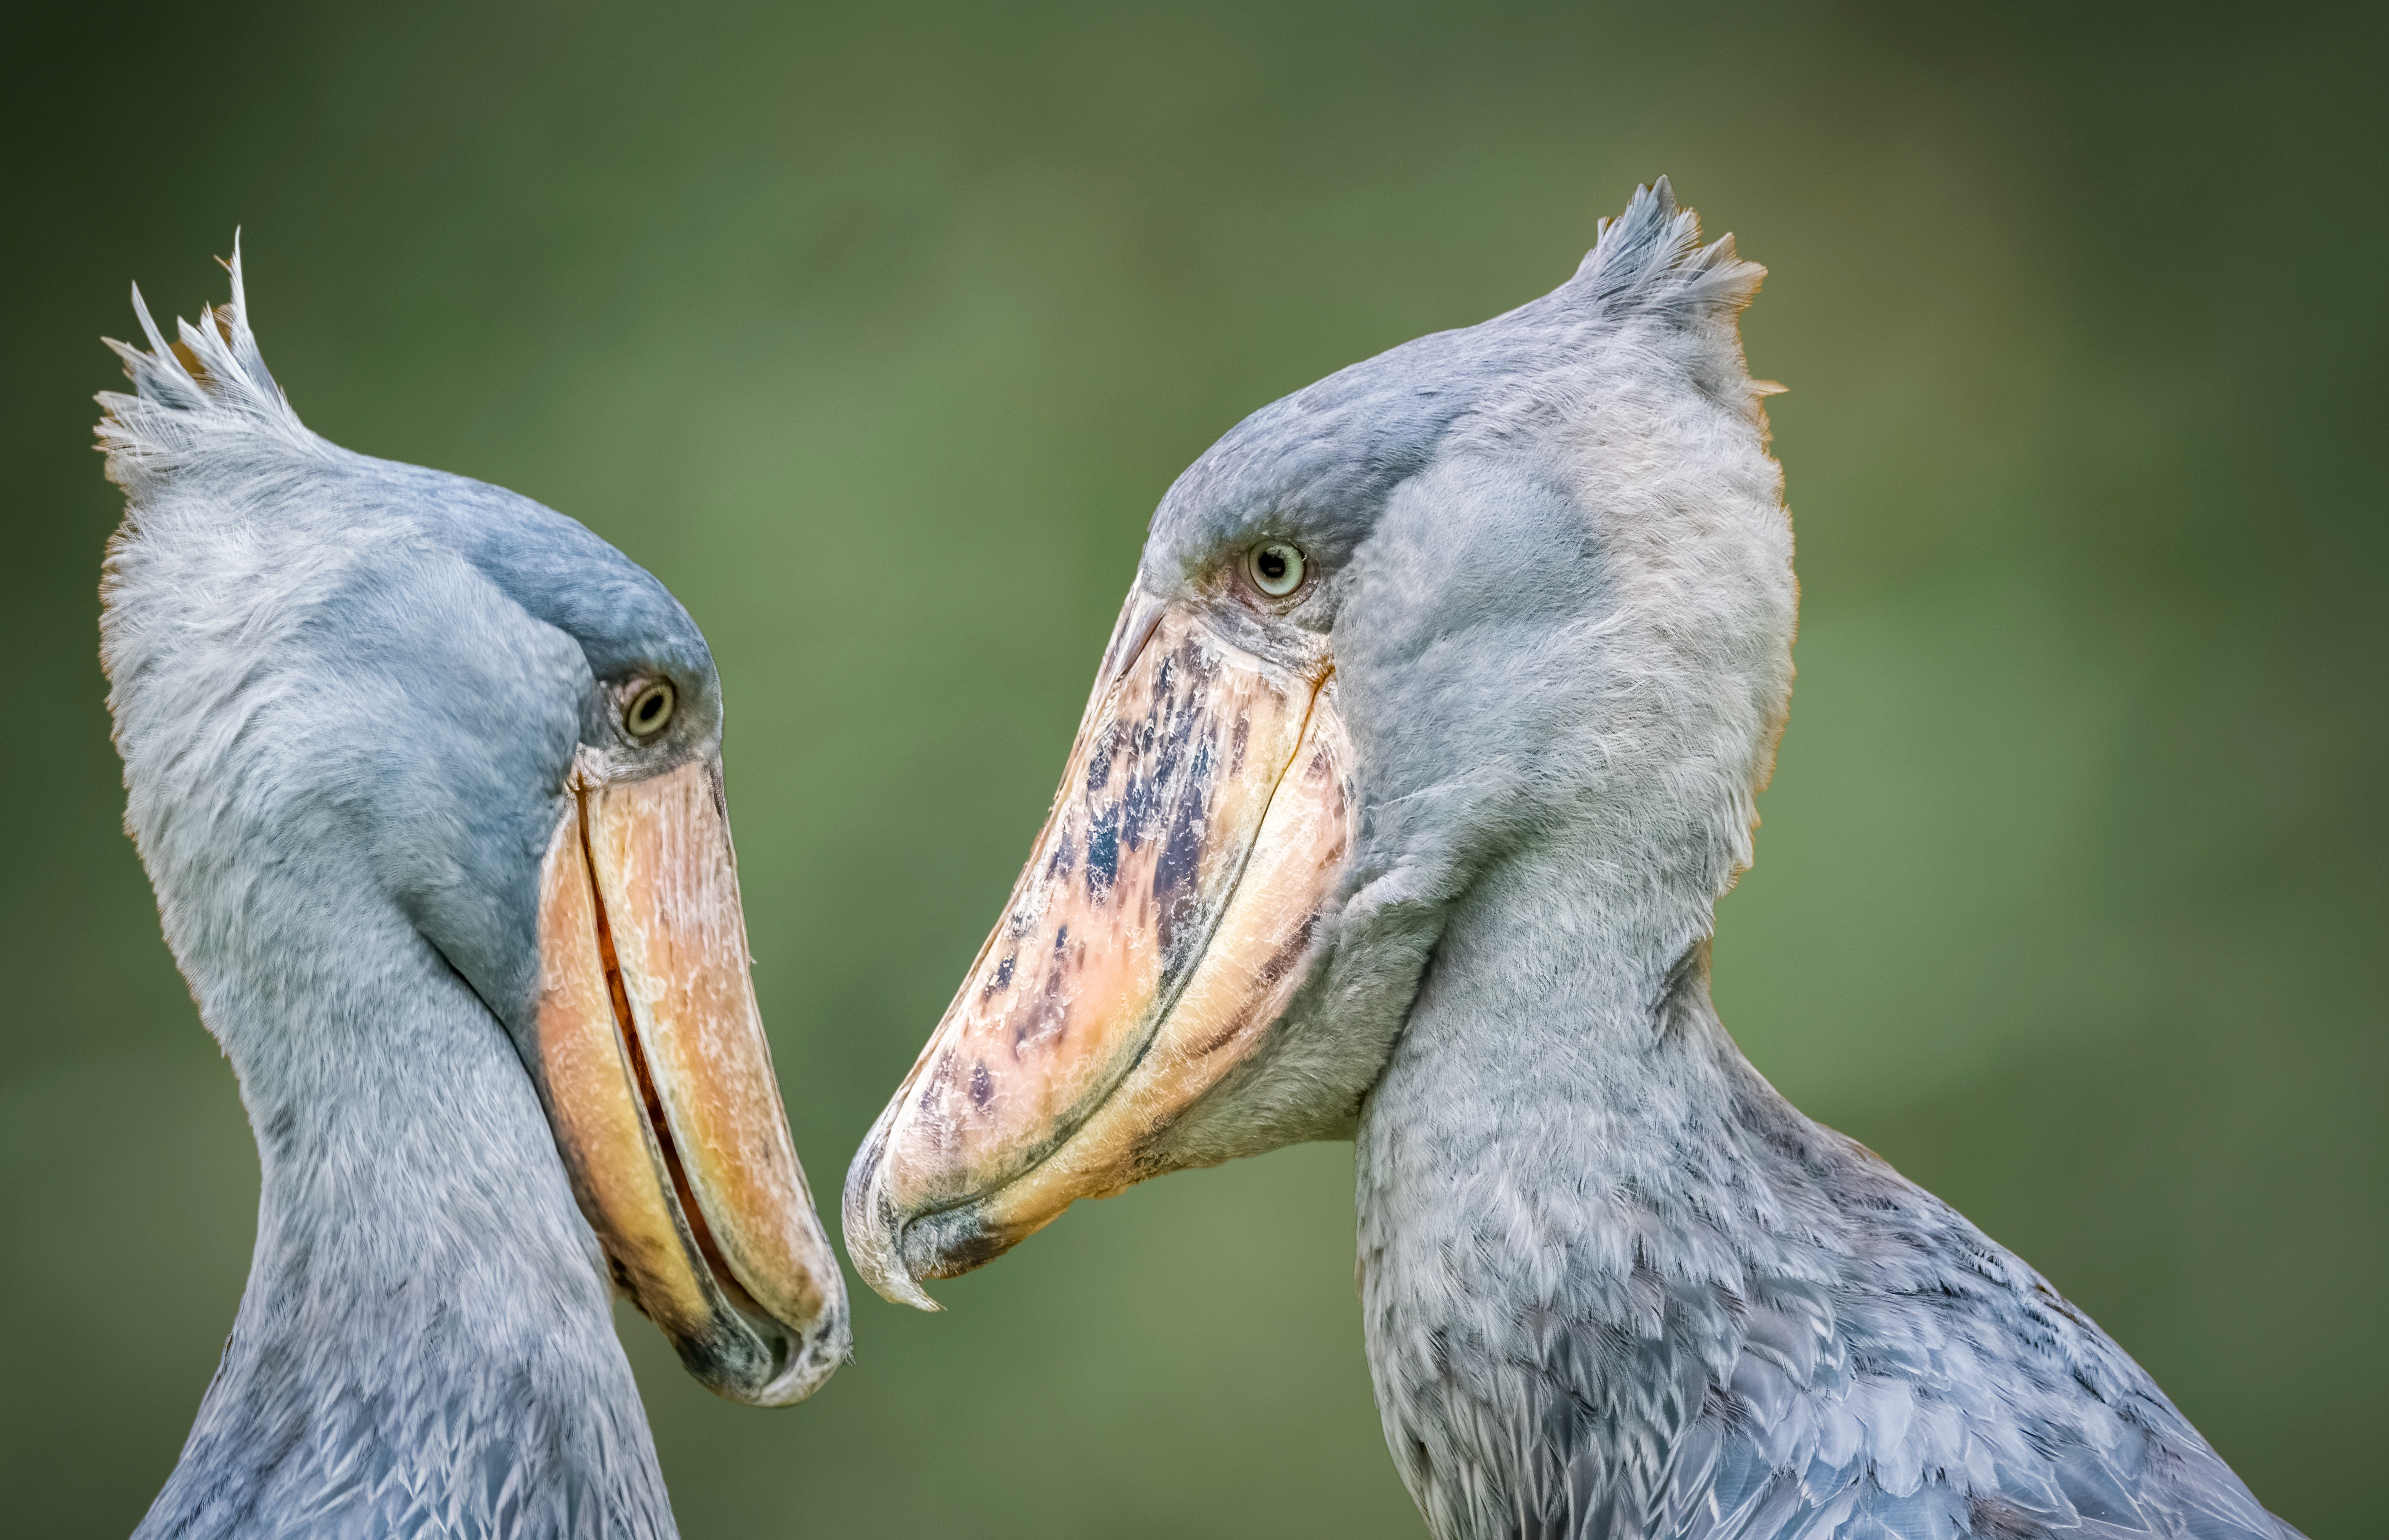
(1615, 1286)
(1557, 1074)
(426, 1344)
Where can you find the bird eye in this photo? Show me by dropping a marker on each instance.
(648, 711)
(1276, 568)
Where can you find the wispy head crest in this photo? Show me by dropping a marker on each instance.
(1650, 261)
(191, 394)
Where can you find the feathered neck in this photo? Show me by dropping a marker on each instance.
(426, 1344)
(1615, 1285)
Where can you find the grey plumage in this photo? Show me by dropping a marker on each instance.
(348, 693)
(1614, 1285)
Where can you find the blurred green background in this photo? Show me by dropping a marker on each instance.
(876, 331)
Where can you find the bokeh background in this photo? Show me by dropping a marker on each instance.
(876, 331)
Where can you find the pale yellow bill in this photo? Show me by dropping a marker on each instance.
(1159, 928)
(659, 1082)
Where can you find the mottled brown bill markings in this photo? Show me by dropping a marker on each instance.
(1202, 823)
(651, 1059)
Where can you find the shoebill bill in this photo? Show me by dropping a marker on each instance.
(1429, 737)
(428, 780)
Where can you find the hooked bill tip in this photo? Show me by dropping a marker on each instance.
(901, 1290)
(875, 1235)
(883, 1268)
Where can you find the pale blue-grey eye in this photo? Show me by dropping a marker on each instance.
(649, 710)
(1276, 568)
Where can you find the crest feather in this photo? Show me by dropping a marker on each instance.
(1649, 260)
(191, 394)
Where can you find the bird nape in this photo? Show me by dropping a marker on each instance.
(426, 778)
(1429, 737)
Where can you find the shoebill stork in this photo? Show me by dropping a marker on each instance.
(1427, 739)
(426, 778)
